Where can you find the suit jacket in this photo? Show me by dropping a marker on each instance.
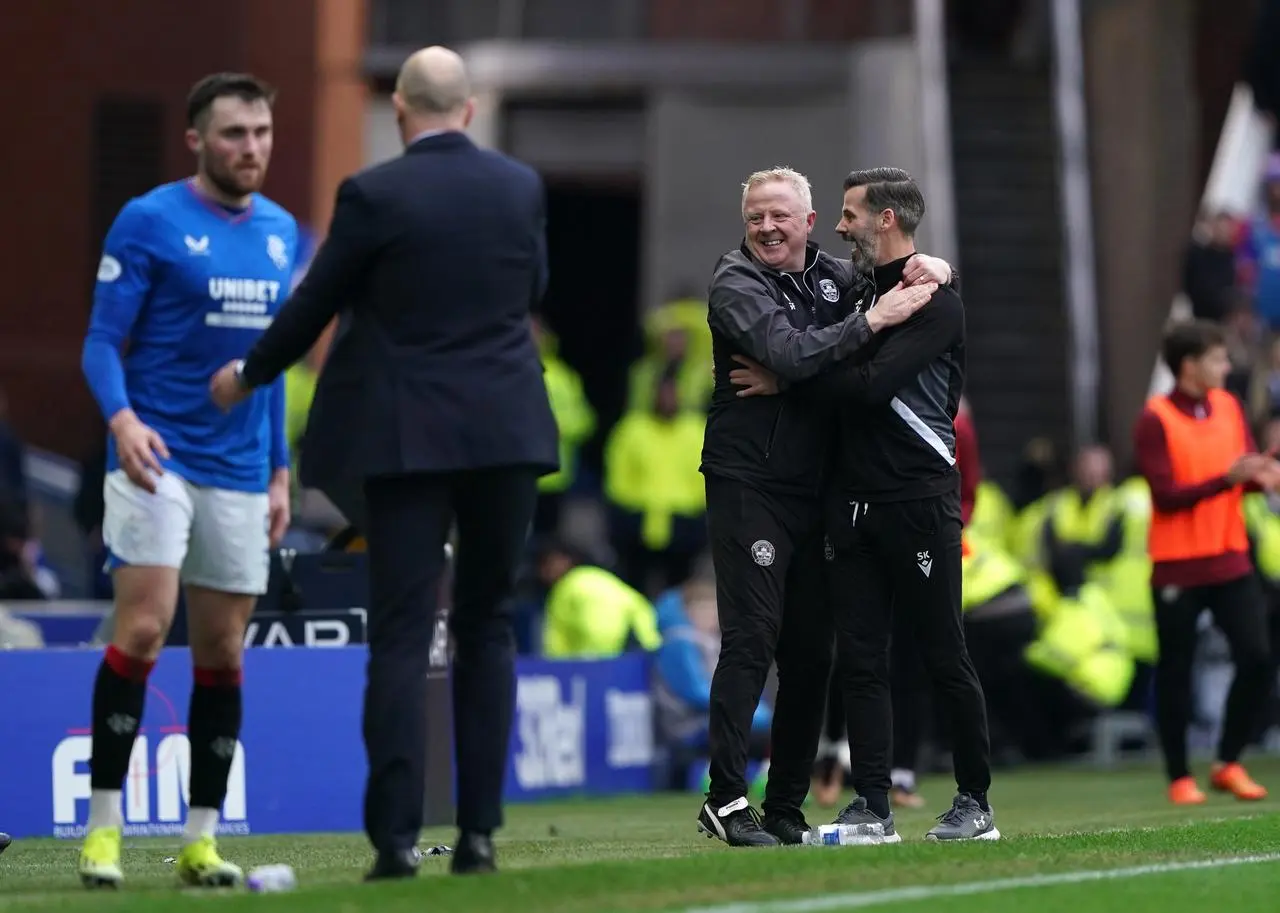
(435, 260)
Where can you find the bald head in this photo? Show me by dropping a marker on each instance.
(433, 81)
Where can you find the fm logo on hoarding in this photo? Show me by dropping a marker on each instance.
(157, 787)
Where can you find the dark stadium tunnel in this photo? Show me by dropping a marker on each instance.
(593, 299)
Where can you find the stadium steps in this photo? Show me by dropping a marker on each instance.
(1009, 235)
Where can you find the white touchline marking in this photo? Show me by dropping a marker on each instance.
(928, 892)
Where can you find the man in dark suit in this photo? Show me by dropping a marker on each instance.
(431, 409)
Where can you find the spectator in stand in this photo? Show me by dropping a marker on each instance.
(1243, 336)
(575, 420)
(1264, 387)
(1084, 528)
(1258, 251)
(1038, 473)
(678, 345)
(14, 494)
(689, 625)
(1209, 270)
(657, 497)
(590, 613)
(17, 572)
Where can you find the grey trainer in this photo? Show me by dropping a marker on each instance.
(965, 820)
(862, 825)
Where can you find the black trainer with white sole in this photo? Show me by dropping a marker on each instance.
(965, 820)
(737, 824)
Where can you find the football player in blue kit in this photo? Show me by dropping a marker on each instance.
(191, 273)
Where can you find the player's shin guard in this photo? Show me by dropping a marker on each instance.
(212, 729)
(119, 694)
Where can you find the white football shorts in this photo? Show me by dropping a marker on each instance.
(216, 538)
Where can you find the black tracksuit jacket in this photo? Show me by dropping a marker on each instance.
(791, 324)
(896, 403)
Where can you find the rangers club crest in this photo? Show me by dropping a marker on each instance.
(828, 289)
(277, 252)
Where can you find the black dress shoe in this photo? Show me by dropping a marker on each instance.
(400, 864)
(473, 855)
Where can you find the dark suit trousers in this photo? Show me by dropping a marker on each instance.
(409, 518)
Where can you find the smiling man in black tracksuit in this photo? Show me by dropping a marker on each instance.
(776, 299)
(893, 515)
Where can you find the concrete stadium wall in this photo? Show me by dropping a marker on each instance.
(1142, 121)
(710, 116)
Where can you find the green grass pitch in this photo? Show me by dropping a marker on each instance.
(1075, 840)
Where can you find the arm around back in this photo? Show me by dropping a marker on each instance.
(741, 306)
(905, 352)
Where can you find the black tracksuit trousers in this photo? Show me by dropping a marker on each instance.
(903, 557)
(909, 694)
(1240, 612)
(768, 555)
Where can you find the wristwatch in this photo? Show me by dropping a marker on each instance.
(240, 378)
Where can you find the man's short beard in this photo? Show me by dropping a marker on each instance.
(226, 183)
(863, 255)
